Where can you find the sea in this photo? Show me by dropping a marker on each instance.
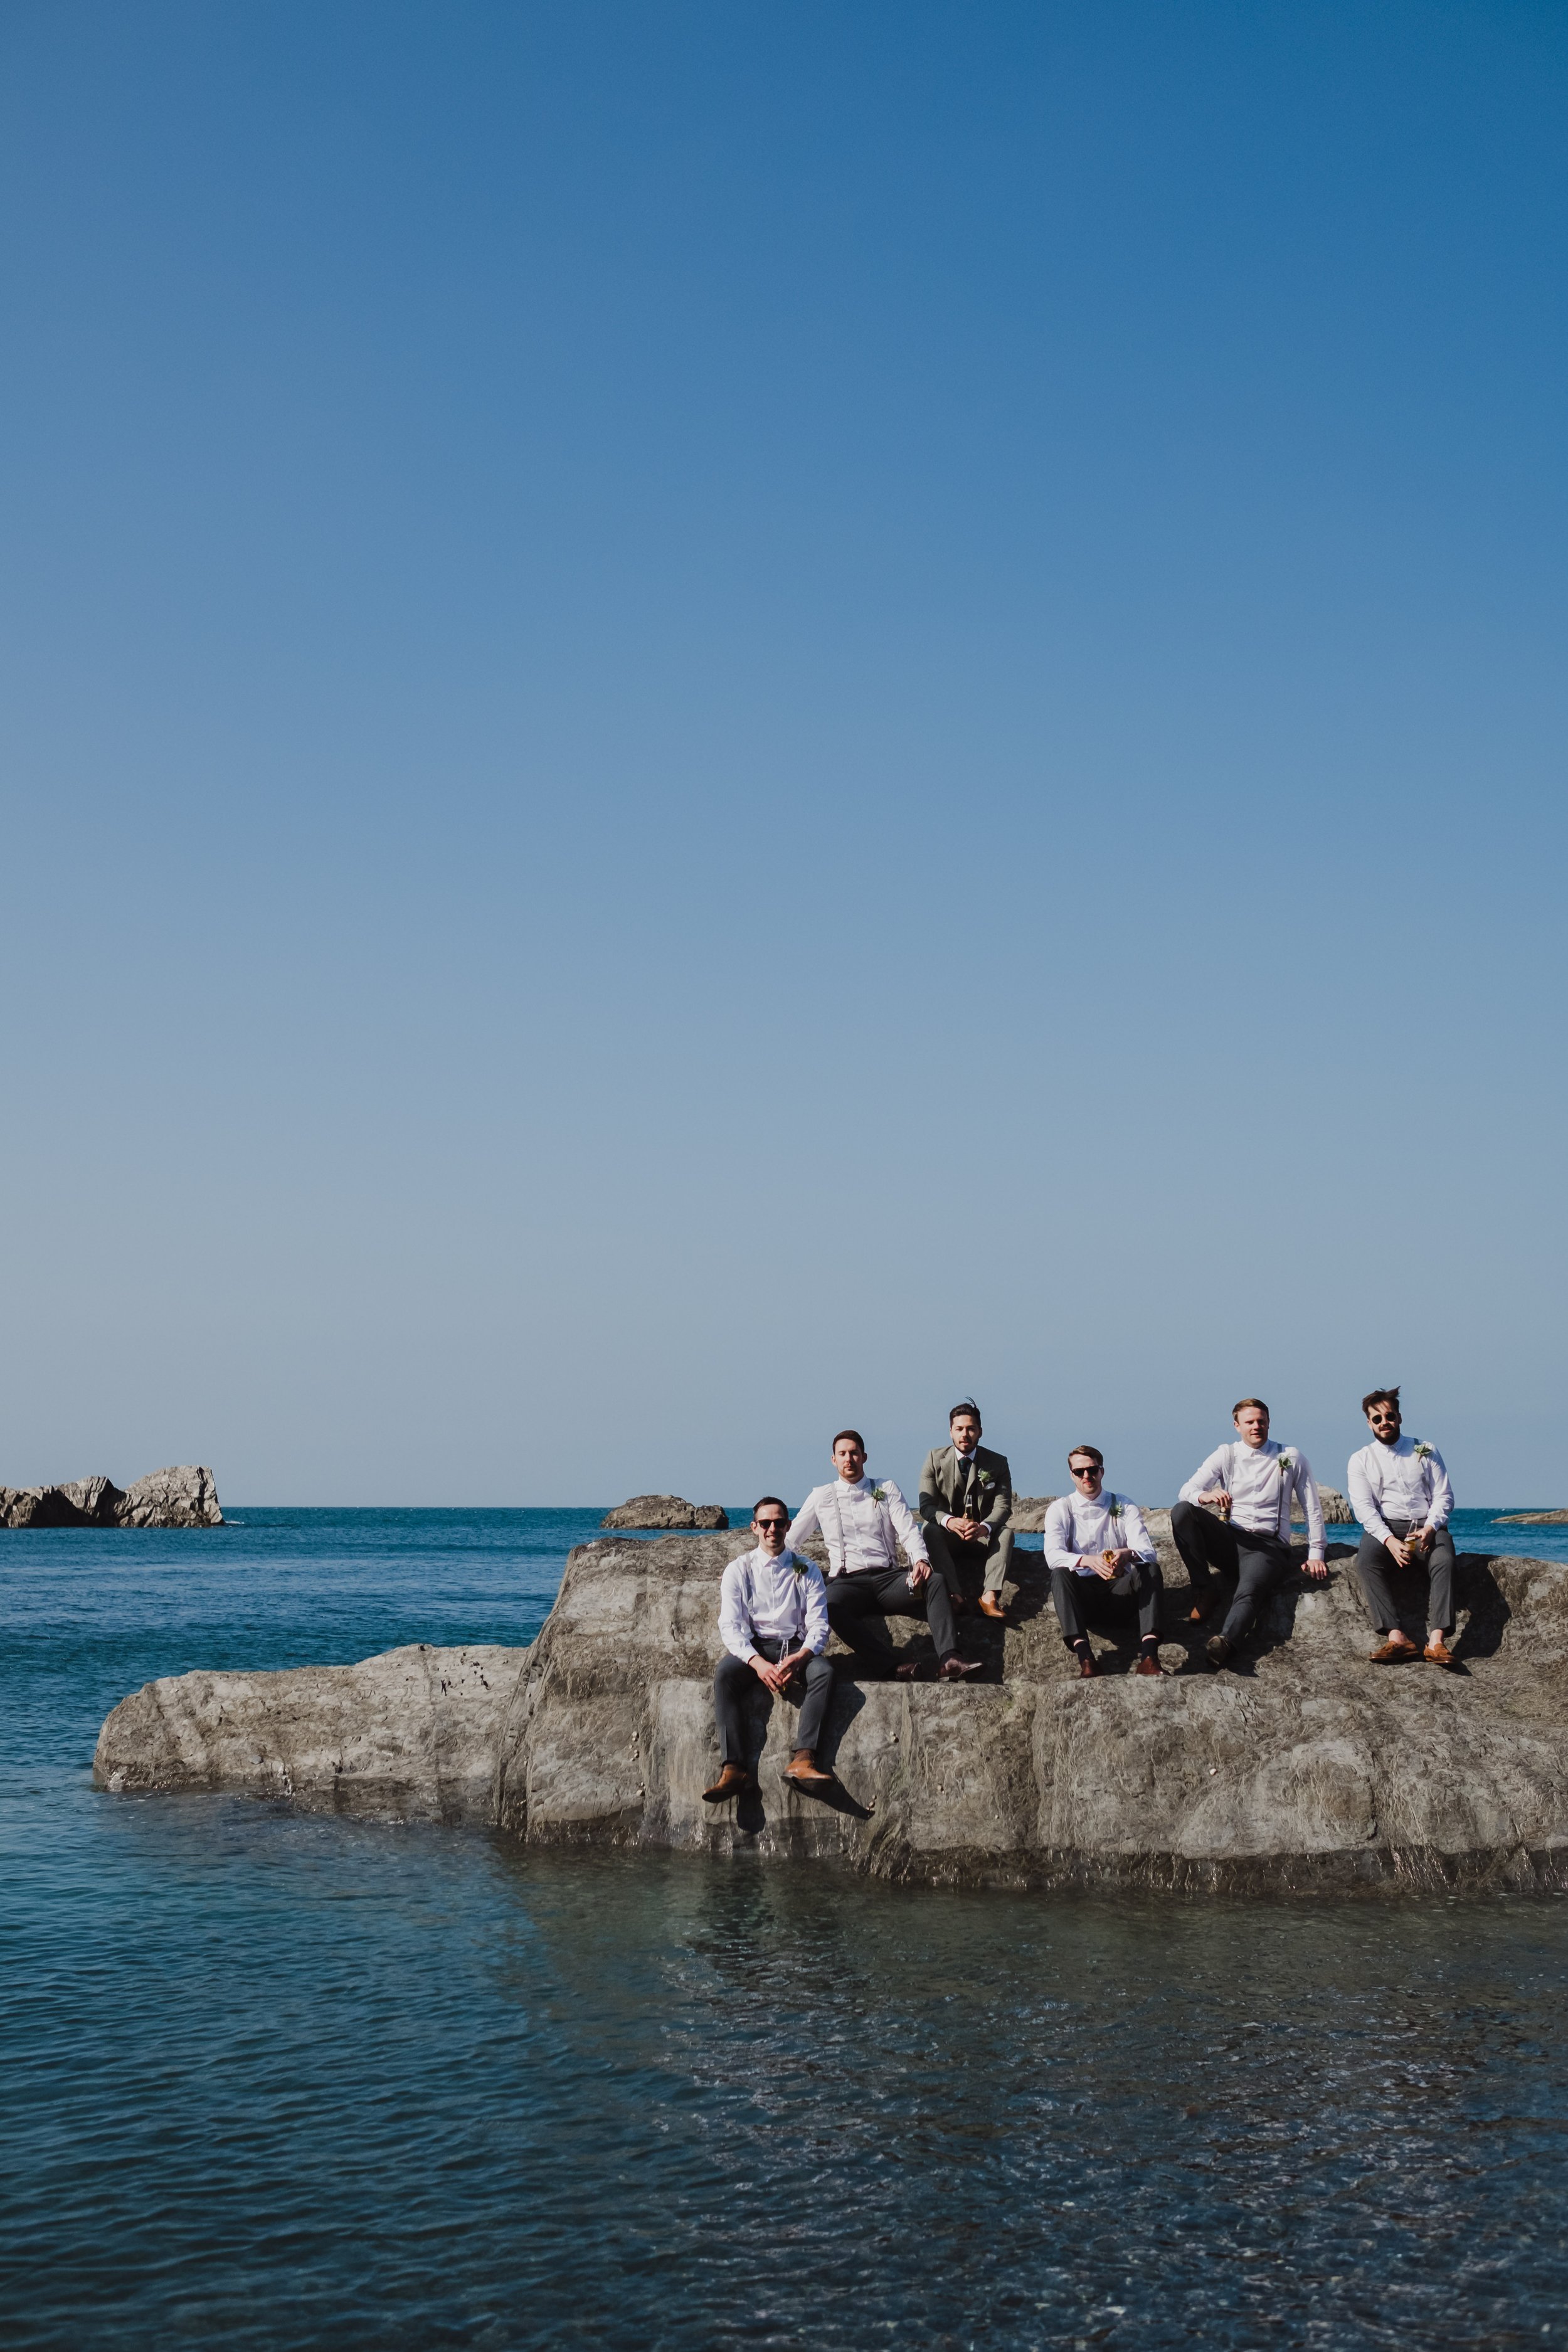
(272, 2082)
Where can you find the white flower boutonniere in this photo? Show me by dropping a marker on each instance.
(879, 1494)
(986, 1479)
(1423, 1451)
(1286, 1463)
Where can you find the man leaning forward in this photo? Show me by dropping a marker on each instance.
(1399, 1490)
(966, 1501)
(1250, 1484)
(772, 1617)
(1104, 1566)
(861, 1520)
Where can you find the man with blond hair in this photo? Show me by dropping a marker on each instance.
(1249, 1483)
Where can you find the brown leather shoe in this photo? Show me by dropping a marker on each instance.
(1200, 1610)
(1438, 1652)
(1147, 1664)
(802, 1771)
(732, 1781)
(915, 1670)
(990, 1606)
(1392, 1654)
(1087, 1669)
(953, 1668)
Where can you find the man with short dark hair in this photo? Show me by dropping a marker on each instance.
(861, 1520)
(772, 1616)
(1399, 1490)
(1249, 1483)
(1104, 1566)
(966, 1501)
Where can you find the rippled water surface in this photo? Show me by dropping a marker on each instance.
(285, 2081)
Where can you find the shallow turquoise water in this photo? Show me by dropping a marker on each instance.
(272, 2080)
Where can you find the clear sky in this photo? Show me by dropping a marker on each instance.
(722, 718)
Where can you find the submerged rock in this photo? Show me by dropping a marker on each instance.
(664, 1511)
(182, 1497)
(1307, 1768)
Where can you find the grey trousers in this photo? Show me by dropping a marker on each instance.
(1084, 1601)
(1375, 1566)
(988, 1564)
(857, 1603)
(1257, 1562)
(734, 1683)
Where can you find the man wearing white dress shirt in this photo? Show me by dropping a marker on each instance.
(1250, 1484)
(1103, 1564)
(861, 1520)
(1399, 1490)
(772, 1616)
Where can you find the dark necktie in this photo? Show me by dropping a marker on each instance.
(965, 1472)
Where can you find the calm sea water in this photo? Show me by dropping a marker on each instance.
(280, 2082)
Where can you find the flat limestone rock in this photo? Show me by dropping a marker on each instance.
(185, 1496)
(412, 1735)
(1307, 1768)
(664, 1511)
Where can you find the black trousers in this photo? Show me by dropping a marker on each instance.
(1375, 1566)
(986, 1566)
(1257, 1562)
(856, 1605)
(1085, 1600)
(734, 1683)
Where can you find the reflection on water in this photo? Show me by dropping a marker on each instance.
(280, 2082)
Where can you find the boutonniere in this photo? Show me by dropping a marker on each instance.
(986, 1479)
(1113, 1506)
(879, 1494)
(1423, 1451)
(798, 1565)
(1286, 1464)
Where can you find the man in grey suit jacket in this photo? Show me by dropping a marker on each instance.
(966, 1501)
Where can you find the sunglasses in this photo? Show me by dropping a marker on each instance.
(766, 1524)
(1086, 1469)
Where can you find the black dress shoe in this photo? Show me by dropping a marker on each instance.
(1220, 1651)
(953, 1668)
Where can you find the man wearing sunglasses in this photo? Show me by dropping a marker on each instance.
(1249, 1485)
(862, 1520)
(1399, 1490)
(1104, 1568)
(772, 1616)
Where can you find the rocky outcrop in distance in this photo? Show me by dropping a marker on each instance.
(1307, 1770)
(664, 1511)
(185, 1496)
(1534, 1519)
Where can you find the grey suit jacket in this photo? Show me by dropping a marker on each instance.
(939, 1486)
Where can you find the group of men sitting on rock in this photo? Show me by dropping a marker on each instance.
(1233, 1521)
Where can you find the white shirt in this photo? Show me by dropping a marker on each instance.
(785, 1597)
(1259, 1480)
(859, 1524)
(1076, 1527)
(1404, 1481)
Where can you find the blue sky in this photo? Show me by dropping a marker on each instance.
(720, 719)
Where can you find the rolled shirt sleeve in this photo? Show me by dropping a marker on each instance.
(1362, 1501)
(814, 1592)
(805, 1523)
(905, 1524)
(1442, 1501)
(1312, 1503)
(1138, 1539)
(1059, 1536)
(1214, 1472)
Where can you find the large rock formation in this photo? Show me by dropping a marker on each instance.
(1307, 1767)
(1534, 1519)
(664, 1511)
(183, 1497)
